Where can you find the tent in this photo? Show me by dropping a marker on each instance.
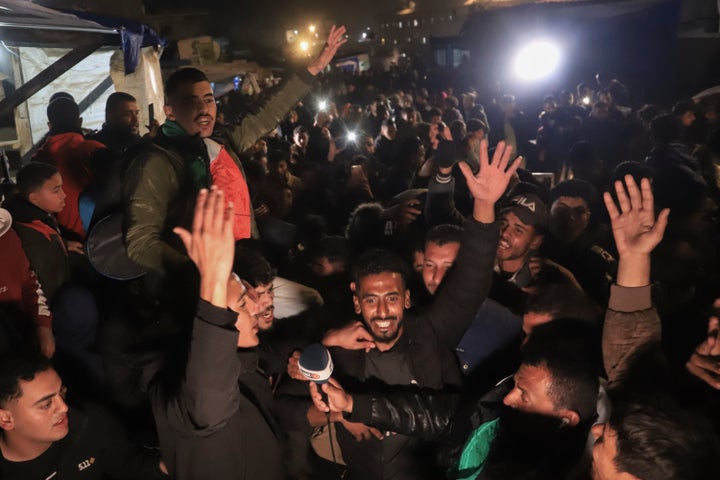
(43, 51)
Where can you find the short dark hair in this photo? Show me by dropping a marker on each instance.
(333, 247)
(663, 442)
(682, 106)
(63, 114)
(443, 234)
(636, 169)
(378, 260)
(32, 176)
(299, 129)
(116, 99)
(665, 128)
(434, 112)
(17, 368)
(556, 296)
(574, 188)
(183, 76)
(570, 350)
(251, 266)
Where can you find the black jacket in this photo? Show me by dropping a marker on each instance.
(213, 426)
(43, 245)
(431, 337)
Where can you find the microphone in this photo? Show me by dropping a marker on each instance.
(316, 365)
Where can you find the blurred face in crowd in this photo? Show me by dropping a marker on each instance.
(39, 415)
(301, 139)
(241, 301)
(530, 394)
(323, 266)
(418, 260)
(569, 217)
(517, 241)
(381, 299)
(193, 106)
(604, 453)
(389, 131)
(367, 146)
(282, 168)
(438, 259)
(126, 116)
(687, 118)
(50, 197)
(261, 146)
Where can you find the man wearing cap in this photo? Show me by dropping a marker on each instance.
(570, 243)
(522, 228)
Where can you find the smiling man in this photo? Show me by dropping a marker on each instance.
(415, 348)
(522, 227)
(190, 153)
(41, 437)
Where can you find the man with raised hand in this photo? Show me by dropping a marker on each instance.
(210, 425)
(414, 349)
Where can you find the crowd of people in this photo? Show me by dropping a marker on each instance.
(502, 296)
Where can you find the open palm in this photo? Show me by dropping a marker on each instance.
(494, 176)
(634, 226)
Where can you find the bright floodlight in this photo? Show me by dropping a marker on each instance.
(312, 28)
(537, 61)
(322, 105)
(304, 46)
(352, 136)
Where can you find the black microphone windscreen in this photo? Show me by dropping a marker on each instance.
(315, 363)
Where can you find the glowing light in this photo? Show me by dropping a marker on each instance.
(312, 28)
(352, 137)
(304, 46)
(537, 61)
(322, 105)
(586, 100)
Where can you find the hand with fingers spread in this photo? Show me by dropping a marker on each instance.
(211, 244)
(636, 230)
(491, 180)
(335, 40)
(704, 363)
(634, 226)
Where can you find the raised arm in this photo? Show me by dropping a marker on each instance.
(294, 89)
(209, 393)
(468, 283)
(631, 320)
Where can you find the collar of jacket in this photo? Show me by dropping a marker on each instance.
(23, 211)
(190, 147)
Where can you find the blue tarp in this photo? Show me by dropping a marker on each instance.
(134, 36)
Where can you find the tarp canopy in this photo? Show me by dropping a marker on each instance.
(23, 22)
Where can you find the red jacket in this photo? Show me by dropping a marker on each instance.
(72, 155)
(18, 283)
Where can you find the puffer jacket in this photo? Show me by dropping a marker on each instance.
(161, 183)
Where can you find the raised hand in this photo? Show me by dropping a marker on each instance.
(335, 39)
(634, 226)
(211, 245)
(491, 180)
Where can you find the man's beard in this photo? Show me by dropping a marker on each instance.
(389, 337)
